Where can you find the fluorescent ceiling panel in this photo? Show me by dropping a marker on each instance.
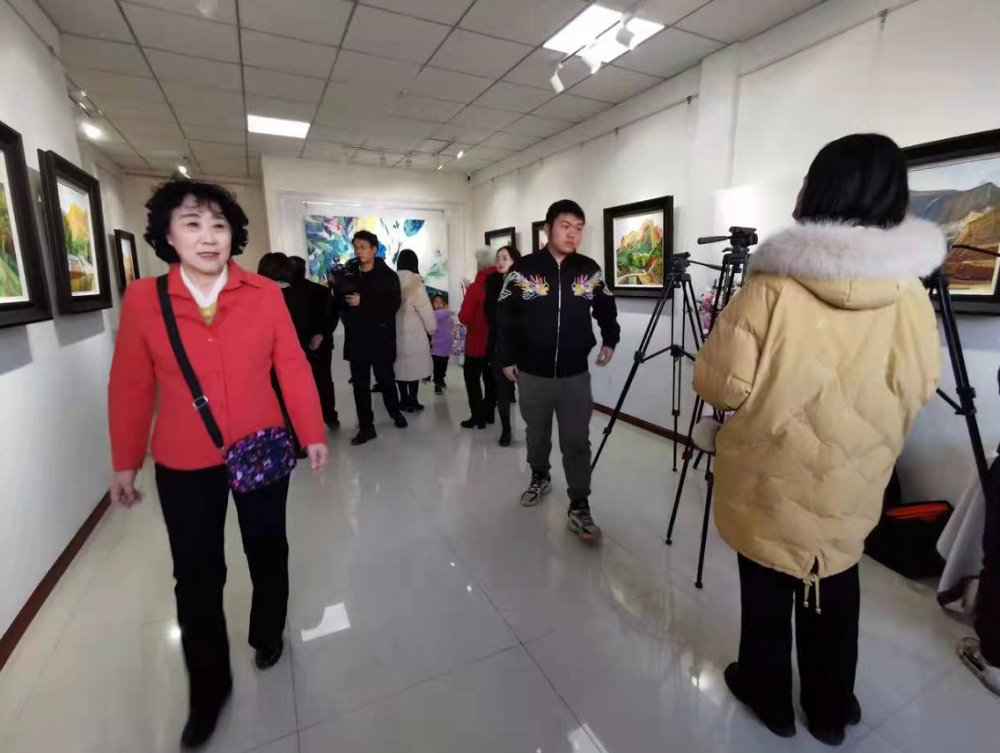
(583, 29)
(277, 127)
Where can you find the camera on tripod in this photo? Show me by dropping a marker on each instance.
(739, 237)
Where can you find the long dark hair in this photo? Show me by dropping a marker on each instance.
(858, 179)
(407, 261)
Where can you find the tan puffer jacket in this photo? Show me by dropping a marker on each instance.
(826, 355)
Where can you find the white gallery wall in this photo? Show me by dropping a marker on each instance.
(54, 447)
(737, 155)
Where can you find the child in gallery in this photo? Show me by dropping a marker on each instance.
(441, 342)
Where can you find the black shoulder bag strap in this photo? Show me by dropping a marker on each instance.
(200, 400)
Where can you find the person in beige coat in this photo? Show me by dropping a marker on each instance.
(414, 323)
(826, 355)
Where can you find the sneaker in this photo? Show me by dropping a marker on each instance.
(400, 420)
(541, 484)
(268, 656)
(364, 435)
(970, 652)
(731, 676)
(438, 389)
(580, 522)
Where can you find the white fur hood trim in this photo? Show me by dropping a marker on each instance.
(837, 251)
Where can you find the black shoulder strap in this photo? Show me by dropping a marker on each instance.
(200, 400)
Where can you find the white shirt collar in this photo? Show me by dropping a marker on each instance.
(203, 300)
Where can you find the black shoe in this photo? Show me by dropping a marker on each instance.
(480, 424)
(438, 389)
(268, 656)
(731, 675)
(400, 420)
(832, 736)
(201, 723)
(376, 388)
(854, 712)
(415, 406)
(365, 435)
(406, 408)
(469, 423)
(491, 418)
(505, 438)
(334, 425)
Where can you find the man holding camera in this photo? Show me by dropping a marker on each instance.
(368, 295)
(544, 314)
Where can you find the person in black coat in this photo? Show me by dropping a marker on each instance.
(505, 258)
(367, 295)
(323, 318)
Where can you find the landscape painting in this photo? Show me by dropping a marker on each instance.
(128, 259)
(539, 238)
(78, 233)
(961, 193)
(329, 245)
(497, 239)
(13, 286)
(637, 245)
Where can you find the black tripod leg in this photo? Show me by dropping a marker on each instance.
(710, 479)
(677, 498)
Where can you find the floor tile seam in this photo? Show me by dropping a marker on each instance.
(940, 679)
(562, 700)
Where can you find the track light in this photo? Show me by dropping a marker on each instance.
(555, 82)
(625, 37)
(460, 154)
(182, 170)
(592, 58)
(92, 131)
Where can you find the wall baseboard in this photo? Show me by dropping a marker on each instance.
(34, 603)
(642, 423)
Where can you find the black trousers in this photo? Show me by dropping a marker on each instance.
(504, 391)
(988, 599)
(321, 361)
(440, 369)
(385, 378)
(194, 507)
(408, 391)
(826, 644)
(479, 387)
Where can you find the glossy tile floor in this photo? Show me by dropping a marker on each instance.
(430, 612)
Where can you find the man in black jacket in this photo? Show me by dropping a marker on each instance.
(367, 293)
(545, 341)
(323, 318)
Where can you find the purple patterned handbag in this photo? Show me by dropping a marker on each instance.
(256, 460)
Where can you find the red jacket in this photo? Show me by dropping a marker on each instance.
(474, 318)
(252, 331)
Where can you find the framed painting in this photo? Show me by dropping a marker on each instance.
(23, 296)
(127, 257)
(956, 183)
(638, 242)
(497, 239)
(539, 238)
(76, 234)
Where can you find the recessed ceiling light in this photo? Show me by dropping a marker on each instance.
(92, 131)
(182, 170)
(296, 129)
(583, 29)
(460, 154)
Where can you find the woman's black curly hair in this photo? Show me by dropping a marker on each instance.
(170, 195)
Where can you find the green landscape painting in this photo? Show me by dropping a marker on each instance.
(78, 232)
(11, 285)
(639, 250)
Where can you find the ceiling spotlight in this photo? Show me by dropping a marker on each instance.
(182, 170)
(625, 37)
(592, 58)
(83, 93)
(440, 167)
(555, 82)
(460, 154)
(92, 131)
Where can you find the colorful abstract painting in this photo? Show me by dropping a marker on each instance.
(74, 205)
(12, 283)
(328, 242)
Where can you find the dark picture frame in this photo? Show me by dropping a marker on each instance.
(952, 206)
(122, 237)
(57, 170)
(537, 228)
(648, 210)
(20, 238)
(505, 236)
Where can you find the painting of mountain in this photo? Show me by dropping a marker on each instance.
(74, 206)
(11, 284)
(639, 250)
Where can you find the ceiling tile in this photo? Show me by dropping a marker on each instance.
(570, 107)
(136, 109)
(511, 141)
(371, 71)
(90, 18)
(145, 141)
(236, 168)
(670, 52)
(488, 153)
(483, 56)
(449, 85)
(611, 84)
(219, 135)
(346, 105)
(374, 158)
(466, 166)
(270, 107)
(106, 87)
(287, 55)
(528, 21)
(283, 85)
(507, 96)
(137, 126)
(204, 151)
(393, 126)
(335, 135)
(532, 125)
(484, 117)
(737, 21)
(454, 148)
(170, 66)
(379, 32)
(538, 68)
(185, 34)
(393, 143)
(313, 20)
(327, 152)
(465, 134)
(225, 10)
(100, 55)
(432, 146)
(183, 95)
(279, 146)
(666, 12)
(425, 108)
(254, 167)
(423, 162)
(217, 117)
(442, 11)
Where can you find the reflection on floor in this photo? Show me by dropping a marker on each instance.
(430, 612)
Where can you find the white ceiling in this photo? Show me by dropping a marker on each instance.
(400, 83)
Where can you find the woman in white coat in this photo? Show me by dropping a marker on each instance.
(414, 323)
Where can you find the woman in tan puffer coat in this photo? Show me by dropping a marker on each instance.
(826, 355)
(415, 323)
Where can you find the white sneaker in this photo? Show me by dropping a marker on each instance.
(972, 657)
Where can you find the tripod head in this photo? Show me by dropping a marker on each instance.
(741, 238)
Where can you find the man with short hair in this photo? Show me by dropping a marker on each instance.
(323, 318)
(368, 295)
(544, 314)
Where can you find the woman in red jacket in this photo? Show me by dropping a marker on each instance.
(477, 362)
(235, 329)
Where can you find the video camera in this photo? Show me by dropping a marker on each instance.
(739, 237)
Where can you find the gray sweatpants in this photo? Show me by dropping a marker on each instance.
(571, 401)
